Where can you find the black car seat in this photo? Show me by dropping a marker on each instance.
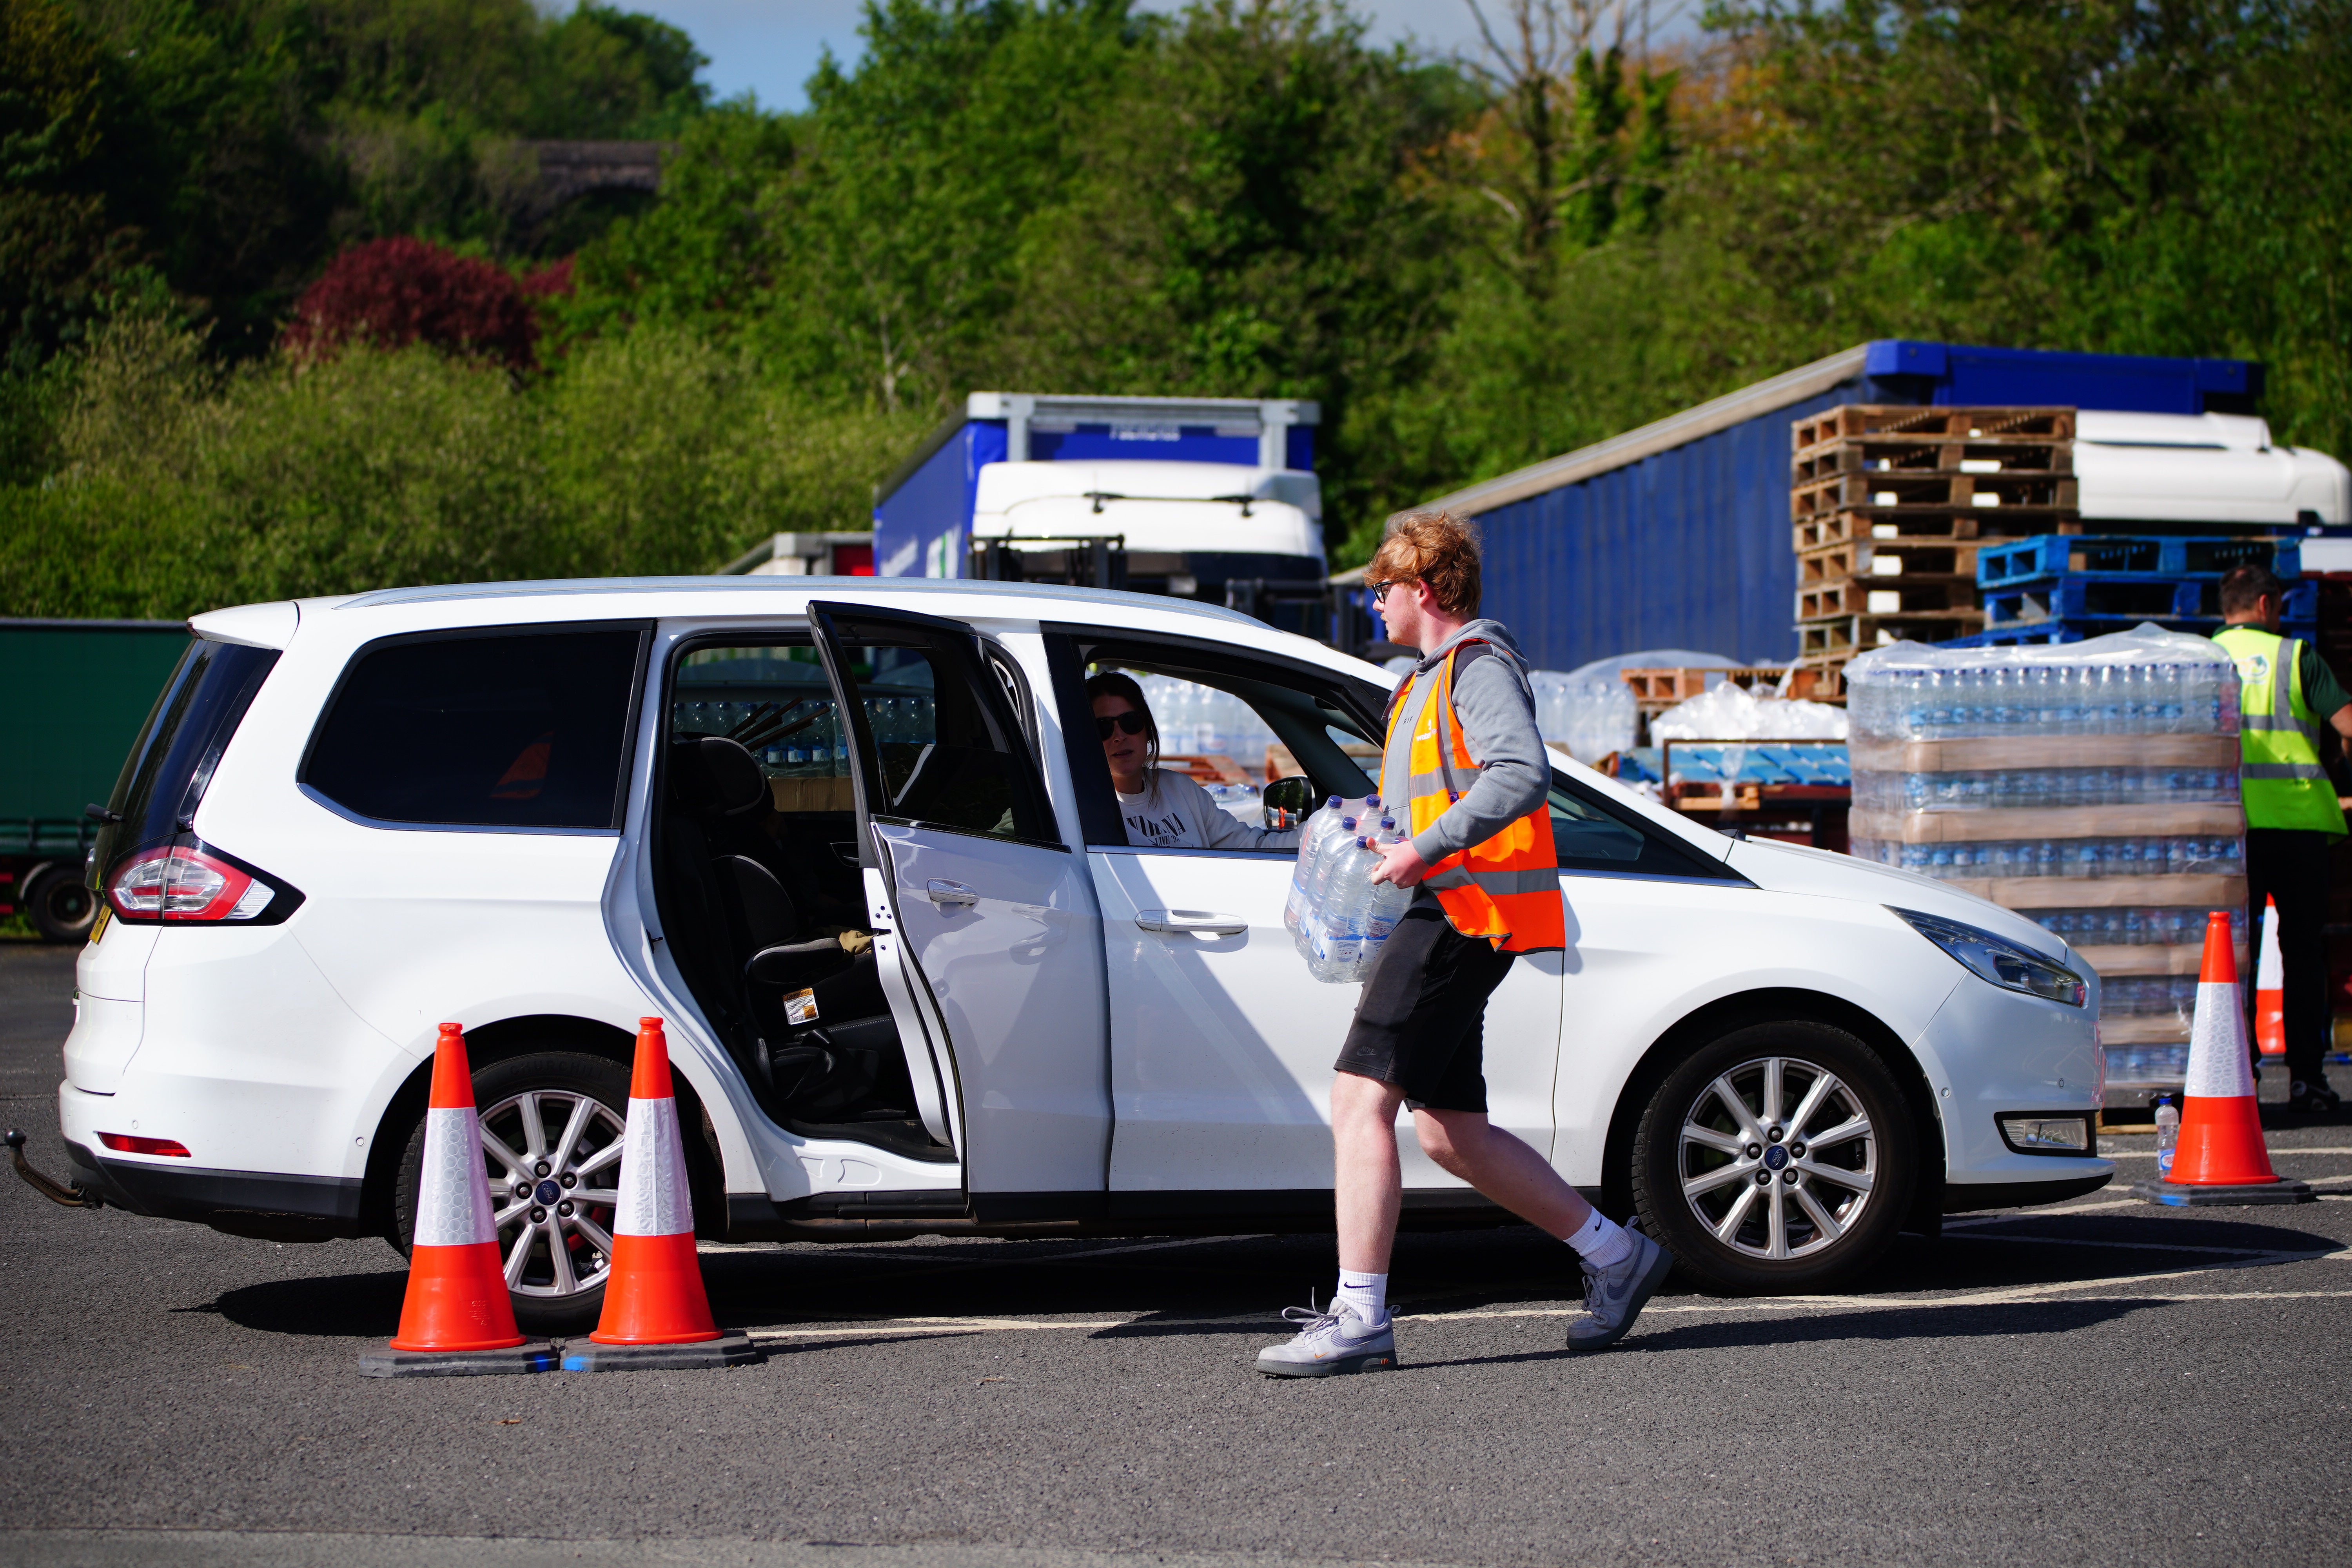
(826, 1063)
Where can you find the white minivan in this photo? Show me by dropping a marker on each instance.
(854, 840)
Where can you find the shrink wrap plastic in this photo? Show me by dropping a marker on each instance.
(2091, 786)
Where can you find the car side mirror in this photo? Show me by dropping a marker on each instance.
(1287, 801)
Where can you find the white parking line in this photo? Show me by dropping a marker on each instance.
(2275, 1149)
(2151, 1247)
(2043, 1214)
(2113, 1288)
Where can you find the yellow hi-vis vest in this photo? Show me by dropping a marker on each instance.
(2278, 738)
(1505, 889)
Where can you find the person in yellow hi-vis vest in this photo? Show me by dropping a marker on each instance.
(1463, 756)
(2293, 813)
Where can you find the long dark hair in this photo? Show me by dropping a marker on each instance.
(1119, 683)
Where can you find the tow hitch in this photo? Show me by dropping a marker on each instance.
(54, 1191)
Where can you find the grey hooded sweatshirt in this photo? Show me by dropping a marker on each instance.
(1497, 709)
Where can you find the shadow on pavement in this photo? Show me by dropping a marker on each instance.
(331, 1305)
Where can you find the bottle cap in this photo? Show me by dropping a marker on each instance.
(1333, 803)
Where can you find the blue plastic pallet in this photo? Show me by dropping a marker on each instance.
(2131, 597)
(1766, 763)
(2031, 633)
(2012, 562)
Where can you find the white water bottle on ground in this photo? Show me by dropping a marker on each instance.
(2167, 1135)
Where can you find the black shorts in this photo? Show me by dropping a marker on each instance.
(1422, 1023)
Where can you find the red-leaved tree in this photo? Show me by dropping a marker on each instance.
(394, 292)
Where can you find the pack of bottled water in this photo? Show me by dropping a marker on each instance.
(2144, 681)
(1337, 917)
(1202, 720)
(2091, 786)
(1587, 716)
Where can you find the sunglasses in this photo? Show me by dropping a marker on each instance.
(1131, 722)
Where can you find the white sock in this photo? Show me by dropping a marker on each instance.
(1367, 1295)
(1601, 1241)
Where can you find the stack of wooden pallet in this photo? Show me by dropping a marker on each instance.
(1889, 505)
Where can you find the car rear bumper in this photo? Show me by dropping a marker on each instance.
(243, 1203)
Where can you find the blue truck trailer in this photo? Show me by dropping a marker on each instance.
(1677, 534)
(1202, 497)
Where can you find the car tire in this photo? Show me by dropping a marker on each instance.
(549, 1298)
(60, 904)
(1835, 1185)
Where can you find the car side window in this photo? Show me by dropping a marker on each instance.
(514, 728)
(946, 753)
(1589, 837)
(1232, 722)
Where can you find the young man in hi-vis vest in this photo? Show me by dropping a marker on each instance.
(1463, 750)
(2285, 692)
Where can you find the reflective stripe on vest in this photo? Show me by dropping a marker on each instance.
(1507, 889)
(2280, 778)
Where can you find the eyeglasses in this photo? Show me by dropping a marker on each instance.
(1380, 591)
(1131, 722)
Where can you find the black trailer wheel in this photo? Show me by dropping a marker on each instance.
(60, 905)
(1777, 1157)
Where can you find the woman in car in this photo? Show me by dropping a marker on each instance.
(1163, 809)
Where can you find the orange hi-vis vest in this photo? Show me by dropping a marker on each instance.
(1505, 889)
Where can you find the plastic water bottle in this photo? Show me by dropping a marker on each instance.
(1332, 934)
(1333, 846)
(2168, 1134)
(1313, 837)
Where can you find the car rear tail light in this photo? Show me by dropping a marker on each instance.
(131, 1143)
(184, 885)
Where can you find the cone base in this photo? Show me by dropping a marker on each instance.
(457, 1300)
(653, 1294)
(2174, 1195)
(525, 1358)
(733, 1348)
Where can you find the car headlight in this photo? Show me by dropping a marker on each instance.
(2004, 963)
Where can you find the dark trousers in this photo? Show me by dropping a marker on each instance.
(2289, 866)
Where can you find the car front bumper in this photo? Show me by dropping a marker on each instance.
(1990, 1052)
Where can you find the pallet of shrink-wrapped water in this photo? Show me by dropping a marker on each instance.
(2091, 786)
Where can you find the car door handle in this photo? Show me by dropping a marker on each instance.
(943, 892)
(1192, 922)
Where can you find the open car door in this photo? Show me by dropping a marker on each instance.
(985, 919)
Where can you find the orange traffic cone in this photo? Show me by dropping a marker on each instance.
(655, 1313)
(456, 1317)
(2270, 987)
(2221, 1158)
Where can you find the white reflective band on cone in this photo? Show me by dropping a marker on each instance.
(2217, 1067)
(652, 1173)
(453, 1200)
(2269, 970)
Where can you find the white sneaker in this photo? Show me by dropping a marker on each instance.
(1329, 1343)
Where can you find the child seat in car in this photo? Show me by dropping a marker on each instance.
(821, 1036)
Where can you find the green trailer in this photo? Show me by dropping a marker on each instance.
(79, 693)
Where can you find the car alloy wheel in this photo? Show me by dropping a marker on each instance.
(552, 1124)
(554, 1159)
(1778, 1156)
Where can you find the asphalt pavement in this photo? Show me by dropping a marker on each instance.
(2104, 1382)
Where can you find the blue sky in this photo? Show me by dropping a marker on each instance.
(769, 47)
